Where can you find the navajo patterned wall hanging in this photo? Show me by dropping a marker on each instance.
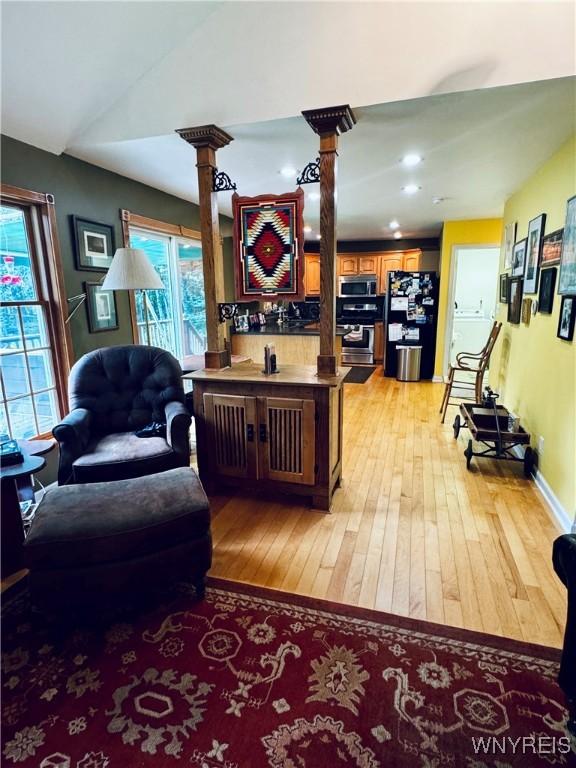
(269, 246)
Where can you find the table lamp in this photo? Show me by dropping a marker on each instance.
(131, 270)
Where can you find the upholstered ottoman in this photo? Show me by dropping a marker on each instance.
(103, 539)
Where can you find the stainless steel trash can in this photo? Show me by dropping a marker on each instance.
(408, 363)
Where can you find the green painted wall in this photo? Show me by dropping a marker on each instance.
(86, 190)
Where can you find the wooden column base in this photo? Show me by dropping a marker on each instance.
(326, 365)
(217, 360)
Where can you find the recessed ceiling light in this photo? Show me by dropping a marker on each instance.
(318, 237)
(411, 189)
(288, 172)
(411, 160)
(307, 229)
(397, 235)
(313, 195)
(394, 224)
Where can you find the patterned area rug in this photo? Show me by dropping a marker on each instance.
(252, 678)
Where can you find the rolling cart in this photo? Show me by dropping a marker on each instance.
(489, 424)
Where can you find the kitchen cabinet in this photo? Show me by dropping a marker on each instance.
(379, 342)
(412, 261)
(312, 274)
(347, 265)
(368, 265)
(392, 262)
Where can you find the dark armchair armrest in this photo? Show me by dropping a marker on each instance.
(177, 428)
(73, 435)
(564, 560)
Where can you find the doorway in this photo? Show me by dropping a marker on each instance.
(472, 304)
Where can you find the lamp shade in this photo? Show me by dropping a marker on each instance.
(131, 269)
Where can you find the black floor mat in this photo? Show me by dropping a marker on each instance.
(359, 374)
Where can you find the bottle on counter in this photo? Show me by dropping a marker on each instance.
(269, 359)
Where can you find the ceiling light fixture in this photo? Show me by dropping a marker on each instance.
(397, 235)
(288, 172)
(307, 229)
(411, 189)
(411, 160)
(394, 224)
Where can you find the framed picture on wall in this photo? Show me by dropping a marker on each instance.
(518, 258)
(552, 248)
(567, 276)
(101, 307)
(504, 288)
(94, 244)
(508, 243)
(546, 293)
(567, 317)
(533, 251)
(515, 300)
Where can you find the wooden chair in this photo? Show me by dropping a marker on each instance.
(469, 362)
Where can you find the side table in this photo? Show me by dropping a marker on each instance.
(12, 478)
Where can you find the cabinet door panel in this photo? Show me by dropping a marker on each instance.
(287, 439)
(389, 264)
(411, 262)
(312, 276)
(231, 427)
(347, 265)
(368, 265)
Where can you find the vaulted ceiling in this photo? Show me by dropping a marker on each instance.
(109, 82)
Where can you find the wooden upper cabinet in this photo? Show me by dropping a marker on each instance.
(312, 275)
(368, 265)
(412, 261)
(347, 265)
(389, 263)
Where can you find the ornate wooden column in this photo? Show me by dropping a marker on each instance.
(328, 123)
(207, 139)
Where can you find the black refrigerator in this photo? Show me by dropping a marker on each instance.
(411, 318)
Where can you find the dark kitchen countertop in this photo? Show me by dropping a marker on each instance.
(286, 329)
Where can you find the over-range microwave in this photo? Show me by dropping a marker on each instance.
(358, 285)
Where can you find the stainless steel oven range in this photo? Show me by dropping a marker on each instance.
(357, 320)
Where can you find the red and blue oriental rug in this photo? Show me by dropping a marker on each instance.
(250, 677)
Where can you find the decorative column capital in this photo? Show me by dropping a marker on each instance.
(329, 120)
(205, 136)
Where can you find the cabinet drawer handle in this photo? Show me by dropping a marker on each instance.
(263, 436)
(250, 433)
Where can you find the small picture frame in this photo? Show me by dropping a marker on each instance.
(567, 318)
(94, 244)
(526, 311)
(552, 248)
(508, 243)
(533, 252)
(514, 300)
(101, 308)
(567, 274)
(504, 288)
(518, 258)
(546, 292)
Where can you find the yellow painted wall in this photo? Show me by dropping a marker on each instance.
(534, 371)
(472, 232)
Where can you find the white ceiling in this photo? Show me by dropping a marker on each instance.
(109, 82)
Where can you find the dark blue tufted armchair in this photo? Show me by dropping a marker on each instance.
(113, 392)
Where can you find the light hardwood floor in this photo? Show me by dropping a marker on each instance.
(412, 532)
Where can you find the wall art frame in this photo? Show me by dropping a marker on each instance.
(518, 258)
(533, 252)
(514, 300)
(101, 308)
(567, 318)
(546, 291)
(94, 244)
(567, 274)
(269, 246)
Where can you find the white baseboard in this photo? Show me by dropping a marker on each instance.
(552, 502)
(437, 379)
(554, 505)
